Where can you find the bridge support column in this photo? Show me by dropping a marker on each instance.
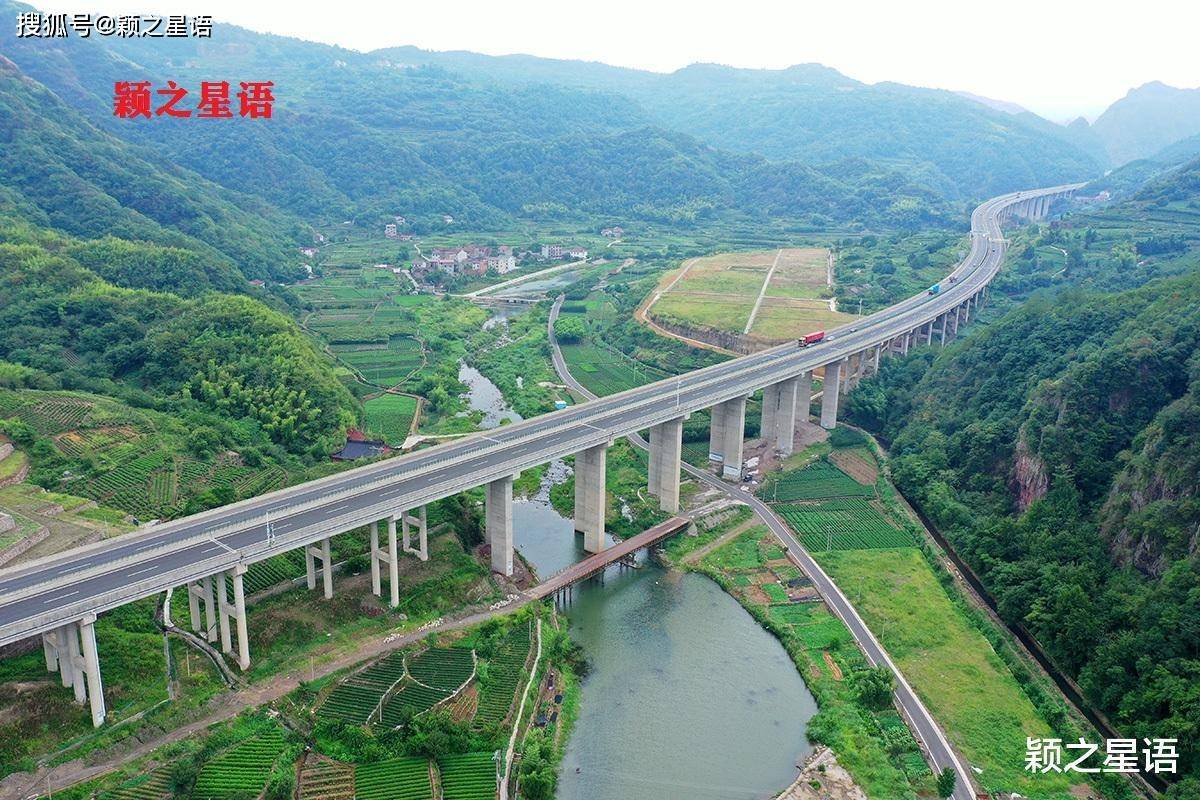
(590, 466)
(210, 610)
(223, 614)
(323, 552)
(239, 610)
(376, 556)
(829, 394)
(420, 522)
(666, 452)
(945, 323)
(716, 433)
(861, 371)
(393, 562)
(803, 396)
(785, 416)
(75, 659)
(875, 362)
(770, 405)
(91, 667)
(499, 523)
(50, 651)
(726, 437)
(65, 667)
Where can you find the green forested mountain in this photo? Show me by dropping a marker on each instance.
(59, 170)
(361, 136)
(817, 115)
(226, 354)
(1058, 449)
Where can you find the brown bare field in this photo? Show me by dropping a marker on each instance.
(720, 292)
(785, 318)
(856, 465)
(802, 272)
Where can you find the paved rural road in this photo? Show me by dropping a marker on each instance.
(928, 731)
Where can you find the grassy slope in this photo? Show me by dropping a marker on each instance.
(950, 665)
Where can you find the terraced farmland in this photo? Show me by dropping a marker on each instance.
(469, 776)
(409, 700)
(505, 670)
(323, 778)
(155, 786)
(444, 668)
(358, 696)
(844, 524)
(818, 480)
(393, 779)
(240, 770)
(383, 366)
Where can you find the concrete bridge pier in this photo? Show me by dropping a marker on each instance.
(323, 552)
(726, 436)
(376, 555)
(393, 561)
(590, 489)
(666, 454)
(803, 396)
(830, 389)
(420, 522)
(498, 518)
(779, 414)
(237, 610)
(91, 667)
(200, 596)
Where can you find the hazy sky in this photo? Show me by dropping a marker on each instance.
(1059, 58)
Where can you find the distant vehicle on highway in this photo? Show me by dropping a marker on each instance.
(937, 287)
(811, 338)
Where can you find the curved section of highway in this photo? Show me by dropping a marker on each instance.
(44, 594)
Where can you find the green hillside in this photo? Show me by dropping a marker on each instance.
(1059, 451)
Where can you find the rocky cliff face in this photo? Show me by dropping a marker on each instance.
(1151, 517)
(1030, 480)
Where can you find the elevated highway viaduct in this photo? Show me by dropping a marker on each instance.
(59, 597)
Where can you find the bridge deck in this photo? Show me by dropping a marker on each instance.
(598, 561)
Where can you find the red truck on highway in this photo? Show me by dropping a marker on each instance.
(812, 338)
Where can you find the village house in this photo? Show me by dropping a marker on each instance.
(578, 252)
(615, 232)
(390, 231)
(553, 251)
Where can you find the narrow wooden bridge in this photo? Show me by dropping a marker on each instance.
(597, 562)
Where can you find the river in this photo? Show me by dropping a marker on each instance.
(688, 697)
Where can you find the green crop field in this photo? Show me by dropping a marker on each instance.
(409, 700)
(775, 593)
(393, 779)
(740, 554)
(469, 776)
(357, 697)
(444, 668)
(383, 366)
(817, 481)
(390, 416)
(843, 524)
(156, 785)
(606, 371)
(241, 770)
(505, 670)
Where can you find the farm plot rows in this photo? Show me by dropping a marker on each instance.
(54, 415)
(409, 700)
(154, 786)
(817, 481)
(607, 372)
(277, 569)
(505, 670)
(384, 367)
(358, 696)
(469, 776)
(325, 779)
(393, 779)
(444, 668)
(390, 416)
(845, 524)
(241, 770)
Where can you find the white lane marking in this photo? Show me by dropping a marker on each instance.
(140, 571)
(56, 598)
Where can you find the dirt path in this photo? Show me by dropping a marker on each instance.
(762, 292)
(21, 785)
(700, 552)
